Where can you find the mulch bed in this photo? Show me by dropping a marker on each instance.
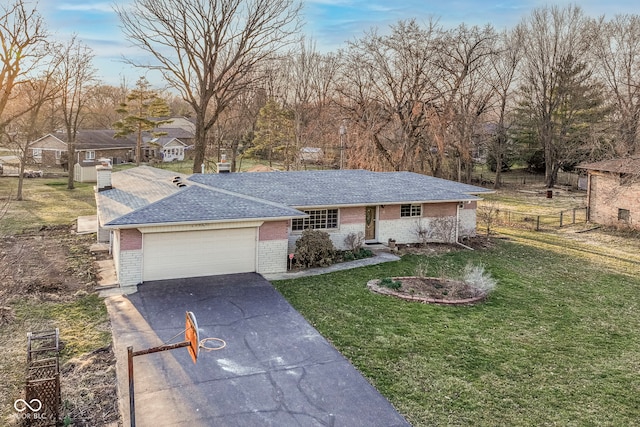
(431, 290)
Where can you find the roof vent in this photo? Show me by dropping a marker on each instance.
(181, 185)
(177, 179)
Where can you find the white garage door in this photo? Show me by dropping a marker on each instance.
(198, 253)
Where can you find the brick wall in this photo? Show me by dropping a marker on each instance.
(436, 210)
(389, 212)
(274, 230)
(127, 256)
(130, 239)
(607, 196)
(352, 215)
(272, 256)
(467, 221)
(130, 268)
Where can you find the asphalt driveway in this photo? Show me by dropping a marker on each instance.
(276, 369)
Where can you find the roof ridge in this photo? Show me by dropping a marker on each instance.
(240, 195)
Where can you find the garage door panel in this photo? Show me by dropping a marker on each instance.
(199, 253)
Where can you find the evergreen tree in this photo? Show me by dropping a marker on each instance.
(275, 133)
(572, 125)
(142, 110)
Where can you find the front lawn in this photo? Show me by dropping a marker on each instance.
(557, 342)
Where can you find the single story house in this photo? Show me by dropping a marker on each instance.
(311, 154)
(90, 146)
(165, 148)
(613, 191)
(163, 225)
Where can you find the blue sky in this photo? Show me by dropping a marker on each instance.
(329, 22)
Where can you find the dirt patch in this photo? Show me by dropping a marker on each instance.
(430, 290)
(52, 264)
(88, 389)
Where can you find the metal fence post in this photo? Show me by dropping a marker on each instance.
(132, 404)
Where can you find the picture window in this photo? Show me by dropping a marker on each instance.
(410, 210)
(319, 219)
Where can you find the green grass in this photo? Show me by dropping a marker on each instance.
(46, 202)
(556, 343)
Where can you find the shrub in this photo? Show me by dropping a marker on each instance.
(476, 276)
(348, 256)
(388, 282)
(315, 249)
(354, 241)
(421, 269)
(363, 253)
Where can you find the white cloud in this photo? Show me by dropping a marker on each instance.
(86, 7)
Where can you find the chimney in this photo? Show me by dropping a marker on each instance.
(103, 176)
(223, 165)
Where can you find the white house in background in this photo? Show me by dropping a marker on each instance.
(311, 154)
(163, 225)
(165, 148)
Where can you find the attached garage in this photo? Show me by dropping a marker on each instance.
(172, 255)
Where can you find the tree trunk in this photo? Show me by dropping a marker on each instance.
(72, 156)
(200, 143)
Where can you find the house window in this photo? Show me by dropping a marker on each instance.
(90, 155)
(410, 210)
(58, 154)
(37, 153)
(319, 219)
(624, 215)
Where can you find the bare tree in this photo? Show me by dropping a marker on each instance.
(503, 78)
(386, 86)
(26, 127)
(208, 51)
(465, 58)
(102, 104)
(23, 47)
(76, 75)
(617, 52)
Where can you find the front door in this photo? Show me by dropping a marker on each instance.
(370, 223)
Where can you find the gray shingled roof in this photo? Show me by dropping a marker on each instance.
(341, 187)
(97, 139)
(199, 204)
(134, 189)
(147, 195)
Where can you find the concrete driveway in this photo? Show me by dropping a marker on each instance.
(276, 369)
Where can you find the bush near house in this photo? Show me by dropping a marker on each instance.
(314, 249)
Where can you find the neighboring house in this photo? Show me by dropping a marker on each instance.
(165, 148)
(311, 154)
(90, 146)
(613, 191)
(163, 225)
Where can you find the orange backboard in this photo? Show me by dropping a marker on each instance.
(192, 335)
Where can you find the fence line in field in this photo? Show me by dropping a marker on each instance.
(537, 222)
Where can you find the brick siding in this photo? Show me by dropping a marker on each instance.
(130, 240)
(352, 215)
(272, 256)
(274, 230)
(607, 196)
(129, 267)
